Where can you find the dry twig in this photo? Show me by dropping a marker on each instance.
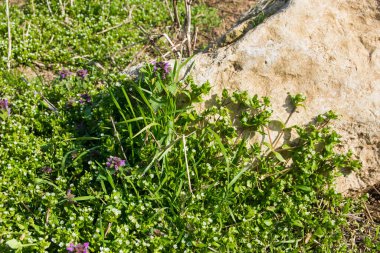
(9, 35)
(176, 16)
(187, 27)
(173, 47)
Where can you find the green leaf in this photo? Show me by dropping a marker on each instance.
(199, 245)
(14, 244)
(276, 125)
(319, 232)
(241, 172)
(145, 128)
(268, 222)
(279, 156)
(297, 223)
(304, 188)
(43, 181)
(84, 138)
(81, 198)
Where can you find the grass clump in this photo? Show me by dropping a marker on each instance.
(133, 167)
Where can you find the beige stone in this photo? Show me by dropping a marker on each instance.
(328, 50)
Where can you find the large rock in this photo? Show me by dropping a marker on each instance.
(328, 50)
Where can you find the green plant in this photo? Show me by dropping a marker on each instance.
(52, 34)
(95, 159)
(191, 180)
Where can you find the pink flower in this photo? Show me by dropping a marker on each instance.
(162, 67)
(4, 105)
(82, 73)
(79, 248)
(115, 162)
(64, 73)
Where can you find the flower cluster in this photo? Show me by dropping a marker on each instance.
(47, 170)
(84, 98)
(4, 105)
(82, 73)
(162, 67)
(115, 162)
(64, 73)
(79, 248)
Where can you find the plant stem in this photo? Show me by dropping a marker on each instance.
(168, 7)
(9, 35)
(278, 137)
(118, 138)
(176, 16)
(188, 26)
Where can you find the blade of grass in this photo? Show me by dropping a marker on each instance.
(84, 153)
(236, 178)
(82, 198)
(145, 128)
(159, 155)
(186, 163)
(128, 101)
(140, 91)
(223, 150)
(118, 106)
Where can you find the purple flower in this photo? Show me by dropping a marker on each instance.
(82, 73)
(4, 105)
(47, 170)
(79, 248)
(64, 73)
(84, 98)
(162, 67)
(115, 162)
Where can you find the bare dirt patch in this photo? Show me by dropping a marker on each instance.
(17, 2)
(31, 73)
(229, 11)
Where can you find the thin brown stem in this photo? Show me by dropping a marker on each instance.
(176, 16)
(195, 37)
(168, 7)
(188, 26)
(9, 35)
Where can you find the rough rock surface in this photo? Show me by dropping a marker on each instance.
(328, 50)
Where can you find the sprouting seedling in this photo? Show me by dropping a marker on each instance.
(323, 119)
(297, 101)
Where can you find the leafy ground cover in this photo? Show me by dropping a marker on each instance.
(96, 161)
(52, 34)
